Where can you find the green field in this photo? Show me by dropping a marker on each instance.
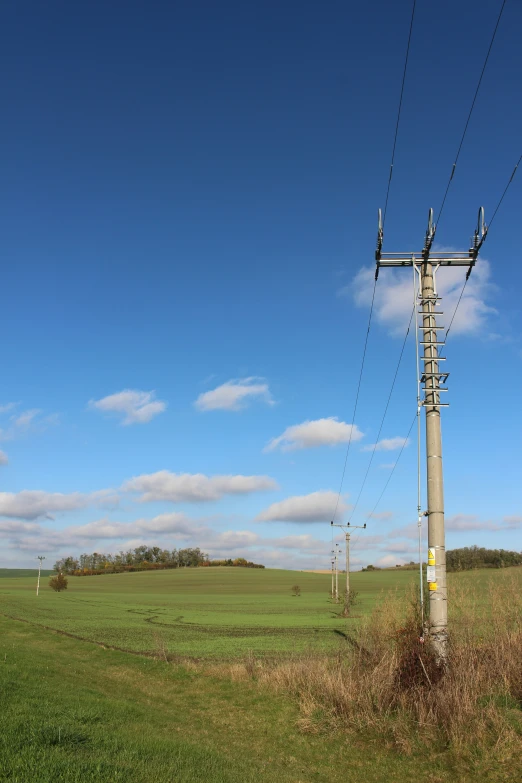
(16, 573)
(199, 612)
(76, 711)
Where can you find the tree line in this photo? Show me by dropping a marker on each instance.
(469, 557)
(143, 558)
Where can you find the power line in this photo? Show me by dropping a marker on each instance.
(456, 308)
(399, 112)
(488, 228)
(470, 112)
(356, 401)
(375, 283)
(504, 193)
(372, 512)
(384, 414)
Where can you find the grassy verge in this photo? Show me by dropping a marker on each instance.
(386, 682)
(72, 711)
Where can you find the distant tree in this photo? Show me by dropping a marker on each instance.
(58, 583)
(296, 590)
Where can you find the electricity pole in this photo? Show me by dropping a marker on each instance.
(347, 540)
(39, 558)
(426, 265)
(333, 579)
(336, 574)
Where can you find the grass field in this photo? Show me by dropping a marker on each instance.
(73, 710)
(218, 612)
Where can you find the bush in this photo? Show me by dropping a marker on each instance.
(58, 583)
(296, 590)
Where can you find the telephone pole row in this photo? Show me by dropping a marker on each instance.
(347, 528)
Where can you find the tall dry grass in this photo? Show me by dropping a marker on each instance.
(386, 680)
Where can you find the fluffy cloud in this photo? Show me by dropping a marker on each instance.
(134, 406)
(35, 503)
(32, 503)
(234, 395)
(194, 488)
(394, 297)
(173, 524)
(316, 507)
(388, 444)
(388, 561)
(310, 434)
(3, 458)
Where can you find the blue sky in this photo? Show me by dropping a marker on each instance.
(187, 227)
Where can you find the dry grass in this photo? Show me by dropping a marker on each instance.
(384, 679)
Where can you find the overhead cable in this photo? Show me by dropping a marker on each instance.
(488, 228)
(356, 401)
(470, 112)
(372, 512)
(383, 415)
(399, 113)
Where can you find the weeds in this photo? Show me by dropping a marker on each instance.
(386, 679)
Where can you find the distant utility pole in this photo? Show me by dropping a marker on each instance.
(336, 574)
(333, 578)
(425, 265)
(39, 558)
(347, 540)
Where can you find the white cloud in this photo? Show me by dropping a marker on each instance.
(234, 395)
(388, 561)
(4, 459)
(194, 488)
(8, 407)
(27, 421)
(17, 527)
(316, 507)
(388, 444)
(31, 504)
(466, 522)
(173, 524)
(35, 503)
(408, 531)
(382, 515)
(402, 547)
(310, 434)
(394, 296)
(362, 541)
(136, 407)
(24, 420)
(513, 522)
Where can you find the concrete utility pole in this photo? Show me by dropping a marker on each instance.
(426, 266)
(336, 574)
(39, 558)
(347, 540)
(333, 579)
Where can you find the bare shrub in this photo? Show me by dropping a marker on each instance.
(58, 583)
(353, 599)
(296, 590)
